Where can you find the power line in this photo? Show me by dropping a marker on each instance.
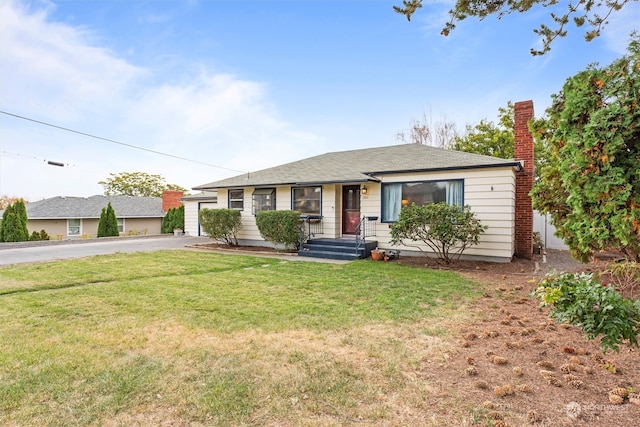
(49, 162)
(118, 142)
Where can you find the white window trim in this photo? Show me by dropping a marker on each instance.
(79, 228)
(235, 200)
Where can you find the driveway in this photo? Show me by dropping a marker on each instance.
(29, 252)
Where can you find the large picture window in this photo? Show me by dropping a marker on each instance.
(264, 199)
(397, 195)
(307, 200)
(236, 199)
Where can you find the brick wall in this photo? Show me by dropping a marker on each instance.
(171, 199)
(524, 180)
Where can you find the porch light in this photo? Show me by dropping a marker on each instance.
(364, 190)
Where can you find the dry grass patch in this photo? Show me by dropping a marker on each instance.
(374, 373)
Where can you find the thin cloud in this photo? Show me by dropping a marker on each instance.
(58, 73)
(51, 70)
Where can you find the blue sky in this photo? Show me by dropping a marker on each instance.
(246, 85)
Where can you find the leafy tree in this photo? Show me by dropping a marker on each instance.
(174, 219)
(6, 201)
(13, 227)
(446, 229)
(280, 227)
(497, 140)
(591, 12)
(488, 138)
(221, 224)
(137, 184)
(108, 224)
(591, 182)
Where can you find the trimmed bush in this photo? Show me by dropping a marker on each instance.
(221, 224)
(41, 235)
(446, 229)
(280, 227)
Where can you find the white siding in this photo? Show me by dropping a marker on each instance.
(191, 209)
(489, 192)
(331, 211)
(249, 231)
(191, 217)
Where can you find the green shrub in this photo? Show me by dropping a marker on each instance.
(446, 229)
(598, 309)
(221, 224)
(280, 227)
(39, 235)
(174, 219)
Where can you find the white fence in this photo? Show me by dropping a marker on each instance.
(542, 224)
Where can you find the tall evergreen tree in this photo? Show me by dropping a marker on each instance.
(20, 210)
(591, 184)
(5, 215)
(108, 224)
(102, 223)
(174, 219)
(14, 223)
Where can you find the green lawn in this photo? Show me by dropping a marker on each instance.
(209, 339)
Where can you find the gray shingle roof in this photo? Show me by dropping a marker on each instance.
(91, 207)
(360, 166)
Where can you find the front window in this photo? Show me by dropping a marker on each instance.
(120, 225)
(74, 227)
(236, 199)
(264, 199)
(397, 195)
(307, 200)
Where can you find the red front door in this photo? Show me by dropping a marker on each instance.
(350, 208)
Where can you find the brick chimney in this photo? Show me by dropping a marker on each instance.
(523, 149)
(171, 199)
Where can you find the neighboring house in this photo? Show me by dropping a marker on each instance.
(76, 217)
(337, 191)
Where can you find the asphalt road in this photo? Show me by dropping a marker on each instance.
(47, 251)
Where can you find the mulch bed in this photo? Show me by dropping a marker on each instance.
(517, 366)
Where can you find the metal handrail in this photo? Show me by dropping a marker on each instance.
(306, 231)
(362, 232)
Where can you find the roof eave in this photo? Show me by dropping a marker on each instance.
(513, 164)
(292, 184)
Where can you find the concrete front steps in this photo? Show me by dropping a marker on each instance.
(344, 249)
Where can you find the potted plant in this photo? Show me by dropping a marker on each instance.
(177, 232)
(377, 254)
